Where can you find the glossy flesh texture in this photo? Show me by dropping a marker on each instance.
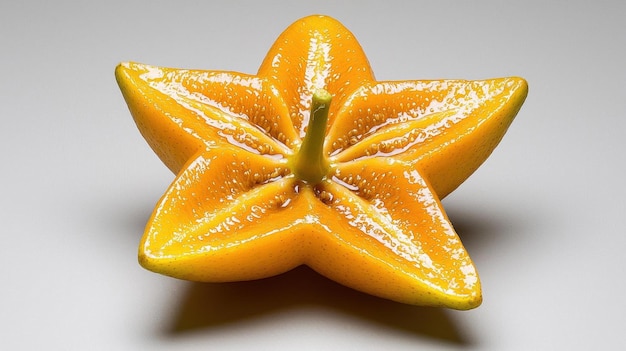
(375, 223)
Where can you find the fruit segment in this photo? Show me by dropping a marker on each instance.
(388, 225)
(446, 128)
(182, 111)
(314, 53)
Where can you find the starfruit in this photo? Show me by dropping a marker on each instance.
(271, 174)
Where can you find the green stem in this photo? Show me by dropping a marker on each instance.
(309, 163)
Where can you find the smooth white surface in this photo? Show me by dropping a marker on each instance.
(542, 219)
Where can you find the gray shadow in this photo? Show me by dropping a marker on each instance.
(210, 305)
(483, 228)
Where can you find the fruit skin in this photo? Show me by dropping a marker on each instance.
(375, 223)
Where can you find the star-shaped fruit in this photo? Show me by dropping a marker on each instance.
(270, 174)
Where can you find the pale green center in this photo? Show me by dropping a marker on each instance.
(309, 163)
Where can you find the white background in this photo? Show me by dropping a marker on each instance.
(543, 219)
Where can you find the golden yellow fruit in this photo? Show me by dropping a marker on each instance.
(358, 200)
